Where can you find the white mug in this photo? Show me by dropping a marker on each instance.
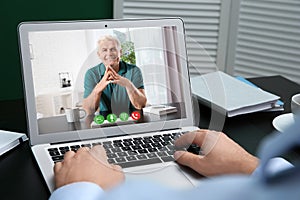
(295, 104)
(74, 114)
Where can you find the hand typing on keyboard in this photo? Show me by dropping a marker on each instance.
(88, 165)
(218, 155)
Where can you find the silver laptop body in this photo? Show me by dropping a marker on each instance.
(55, 53)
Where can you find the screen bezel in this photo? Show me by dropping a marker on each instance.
(36, 138)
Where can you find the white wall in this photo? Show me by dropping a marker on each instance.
(56, 52)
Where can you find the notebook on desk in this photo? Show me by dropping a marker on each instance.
(230, 96)
(57, 52)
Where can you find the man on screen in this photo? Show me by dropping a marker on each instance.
(113, 86)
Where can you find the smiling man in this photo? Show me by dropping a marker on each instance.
(113, 86)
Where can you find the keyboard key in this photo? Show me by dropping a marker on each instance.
(141, 151)
(146, 146)
(136, 147)
(156, 140)
(167, 158)
(53, 149)
(193, 148)
(171, 147)
(163, 149)
(117, 141)
(152, 150)
(127, 144)
(166, 138)
(165, 143)
(147, 141)
(162, 154)
(110, 155)
(64, 151)
(140, 162)
(120, 160)
(57, 158)
(108, 151)
(138, 142)
(86, 145)
(63, 148)
(75, 147)
(54, 153)
(107, 145)
(131, 158)
(115, 150)
(171, 153)
(151, 155)
(131, 153)
(156, 145)
(118, 145)
(141, 157)
(126, 148)
(122, 154)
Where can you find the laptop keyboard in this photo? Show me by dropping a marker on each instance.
(129, 152)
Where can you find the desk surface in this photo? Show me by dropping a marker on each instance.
(20, 177)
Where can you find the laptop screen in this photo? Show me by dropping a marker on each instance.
(110, 79)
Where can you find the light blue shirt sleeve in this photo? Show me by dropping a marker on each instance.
(91, 191)
(275, 165)
(78, 191)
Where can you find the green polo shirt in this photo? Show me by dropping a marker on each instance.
(114, 98)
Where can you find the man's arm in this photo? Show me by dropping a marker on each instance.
(78, 190)
(137, 96)
(91, 103)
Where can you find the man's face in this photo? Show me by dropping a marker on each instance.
(109, 53)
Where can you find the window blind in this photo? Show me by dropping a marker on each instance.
(202, 20)
(268, 39)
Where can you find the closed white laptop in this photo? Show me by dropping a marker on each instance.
(55, 57)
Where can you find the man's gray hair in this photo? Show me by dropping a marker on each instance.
(109, 38)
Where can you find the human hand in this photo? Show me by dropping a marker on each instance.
(106, 79)
(118, 79)
(219, 154)
(89, 165)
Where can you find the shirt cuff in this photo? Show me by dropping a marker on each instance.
(274, 166)
(78, 191)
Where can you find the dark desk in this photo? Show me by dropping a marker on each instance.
(21, 179)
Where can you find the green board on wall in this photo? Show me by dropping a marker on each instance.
(12, 12)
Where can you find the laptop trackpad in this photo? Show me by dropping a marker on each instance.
(170, 176)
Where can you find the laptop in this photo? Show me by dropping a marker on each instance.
(55, 56)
